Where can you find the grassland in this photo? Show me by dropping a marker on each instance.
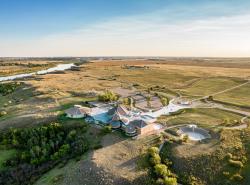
(208, 118)
(205, 165)
(212, 85)
(42, 99)
(239, 96)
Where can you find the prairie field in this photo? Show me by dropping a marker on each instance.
(43, 99)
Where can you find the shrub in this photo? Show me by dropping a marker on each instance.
(108, 96)
(106, 129)
(153, 150)
(155, 159)
(164, 101)
(160, 181)
(3, 113)
(237, 164)
(162, 170)
(185, 138)
(170, 181)
(97, 146)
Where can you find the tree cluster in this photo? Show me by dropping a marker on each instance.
(160, 170)
(8, 88)
(108, 96)
(39, 149)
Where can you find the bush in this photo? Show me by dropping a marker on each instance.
(153, 150)
(185, 138)
(108, 96)
(106, 129)
(237, 164)
(97, 146)
(164, 101)
(155, 159)
(3, 113)
(8, 88)
(170, 181)
(162, 170)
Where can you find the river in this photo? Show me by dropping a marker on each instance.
(59, 67)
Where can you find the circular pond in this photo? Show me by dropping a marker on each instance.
(194, 133)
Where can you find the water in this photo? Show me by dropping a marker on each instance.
(59, 67)
(195, 136)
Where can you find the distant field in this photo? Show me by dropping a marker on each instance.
(13, 68)
(212, 85)
(239, 96)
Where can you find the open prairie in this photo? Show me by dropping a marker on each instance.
(43, 99)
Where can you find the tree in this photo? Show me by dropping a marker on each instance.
(153, 150)
(162, 170)
(108, 96)
(148, 101)
(164, 101)
(155, 159)
(170, 181)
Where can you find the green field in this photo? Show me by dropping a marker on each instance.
(203, 117)
(238, 96)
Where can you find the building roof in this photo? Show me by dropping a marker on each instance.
(138, 123)
(78, 110)
(116, 117)
(124, 120)
(112, 111)
(73, 111)
(120, 109)
(85, 110)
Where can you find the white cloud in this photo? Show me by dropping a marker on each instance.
(145, 36)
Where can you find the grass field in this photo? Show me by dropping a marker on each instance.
(208, 162)
(208, 118)
(14, 68)
(239, 96)
(46, 97)
(212, 85)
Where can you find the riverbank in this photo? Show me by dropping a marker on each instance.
(59, 67)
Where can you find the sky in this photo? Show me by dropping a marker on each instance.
(195, 28)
